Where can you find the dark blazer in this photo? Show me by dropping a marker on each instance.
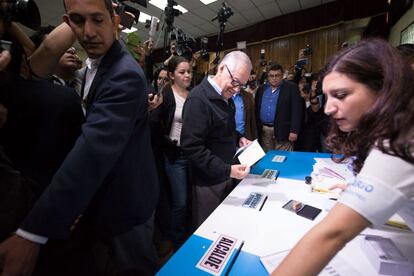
(109, 176)
(289, 111)
(208, 136)
(44, 121)
(161, 120)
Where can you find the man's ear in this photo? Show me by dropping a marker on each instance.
(220, 68)
(116, 21)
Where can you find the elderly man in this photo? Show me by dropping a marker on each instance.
(209, 136)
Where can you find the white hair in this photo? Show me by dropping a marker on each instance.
(236, 58)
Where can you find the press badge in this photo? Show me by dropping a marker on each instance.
(372, 199)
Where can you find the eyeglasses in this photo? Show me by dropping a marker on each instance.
(235, 83)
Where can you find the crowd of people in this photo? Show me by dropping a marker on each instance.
(106, 168)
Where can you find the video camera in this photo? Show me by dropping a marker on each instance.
(204, 52)
(185, 44)
(123, 9)
(170, 12)
(23, 11)
(262, 60)
(223, 14)
(307, 51)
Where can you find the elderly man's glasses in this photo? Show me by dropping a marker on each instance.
(235, 83)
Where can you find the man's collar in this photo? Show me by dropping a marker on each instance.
(93, 63)
(214, 84)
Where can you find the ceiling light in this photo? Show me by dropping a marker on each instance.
(127, 31)
(144, 17)
(206, 2)
(161, 4)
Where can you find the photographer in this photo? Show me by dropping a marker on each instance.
(252, 84)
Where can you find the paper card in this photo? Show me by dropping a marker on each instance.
(250, 154)
(279, 158)
(270, 174)
(254, 200)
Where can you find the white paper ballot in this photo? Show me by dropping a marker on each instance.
(250, 154)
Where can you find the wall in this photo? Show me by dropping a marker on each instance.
(404, 21)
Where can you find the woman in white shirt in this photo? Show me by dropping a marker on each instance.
(370, 99)
(167, 122)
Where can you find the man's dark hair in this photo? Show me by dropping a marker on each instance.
(275, 67)
(108, 5)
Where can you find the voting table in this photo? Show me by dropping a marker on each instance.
(234, 238)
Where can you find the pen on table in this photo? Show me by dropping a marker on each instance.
(264, 201)
(235, 257)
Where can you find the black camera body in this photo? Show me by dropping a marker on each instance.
(252, 84)
(204, 52)
(184, 43)
(170, 12)
(121, 9)
(223, 14)
(307, 88)
(308, 50)
(23, 11)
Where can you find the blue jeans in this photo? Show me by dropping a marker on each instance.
(178, 178)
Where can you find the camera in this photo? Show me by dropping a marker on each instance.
(23, 11)
(252, 84)
(223, 14)
(170, 12)
(204, 52)
(5, 45)
(307, 88)
(263, 61)
(184, 43)
(308, 50)
(122, 10)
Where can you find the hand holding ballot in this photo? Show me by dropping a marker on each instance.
(239, 171)
(250, 153)
(244, 142)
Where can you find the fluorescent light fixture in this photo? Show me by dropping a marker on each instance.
(144, 17)
(206, 2)
(127, 31)
(161, 4)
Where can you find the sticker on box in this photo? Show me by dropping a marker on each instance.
(279, 158)
(217, 255)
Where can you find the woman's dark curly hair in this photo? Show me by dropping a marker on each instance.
(389, 123)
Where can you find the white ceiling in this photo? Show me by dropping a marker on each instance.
(197, 21)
